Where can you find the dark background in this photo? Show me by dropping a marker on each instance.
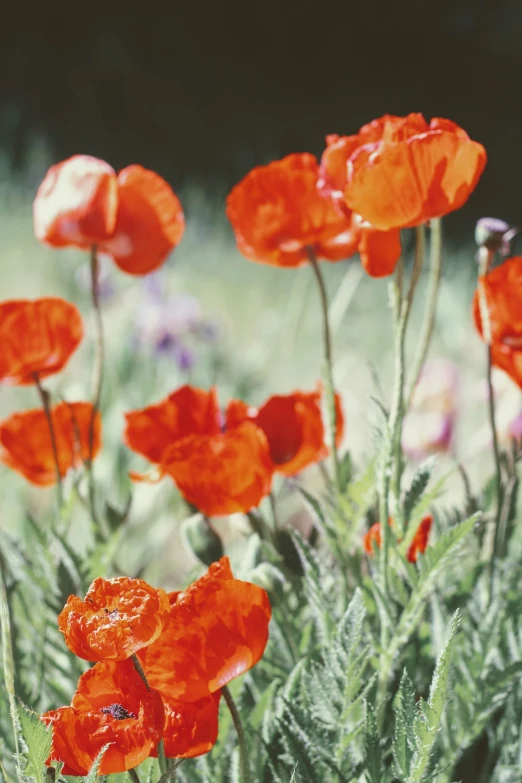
(202, 90)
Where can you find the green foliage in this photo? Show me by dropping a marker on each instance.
(37, 738)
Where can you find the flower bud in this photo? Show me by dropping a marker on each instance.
(202, 539)
(494, 234)
(285, 545)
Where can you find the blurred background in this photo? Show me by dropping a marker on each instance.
(201, 93)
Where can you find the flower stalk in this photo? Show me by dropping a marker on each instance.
(46, 405)
(243, 748)
(328, 355)
(98, 375)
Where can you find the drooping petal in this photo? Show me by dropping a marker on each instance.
(420, 540)
(26, 445)
(37, 337)
(191, 729)
(379, 250)
(149, 222)
(76, 203)
(218, 629)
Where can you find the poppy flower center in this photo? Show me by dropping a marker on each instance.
(112, 615)
(117, 711)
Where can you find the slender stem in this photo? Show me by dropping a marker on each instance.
(45, 400)
(243, 748)
(133, 775)
(273, 508)
(485, 260)
(430, 310)
(98, 376)
(328, 355)
(392, 443)
(139, 669)
(8, 661)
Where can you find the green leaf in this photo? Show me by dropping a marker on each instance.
(93, 772)
(429, 714)
(372, 748)
(418, 484)
(38, 738)
(404, 720)
(430, 565)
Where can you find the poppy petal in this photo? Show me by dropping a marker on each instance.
(149, 222)
(76, 203)
(218, 629)
(37, 337)
(26, 445)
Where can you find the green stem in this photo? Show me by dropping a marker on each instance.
(133, 775)
(8, 660)
(430, 310)
(98, 377)
(46, 404)
(243, 748)
(328, 355)
(139, 669)
(392, 443)
(485, 261)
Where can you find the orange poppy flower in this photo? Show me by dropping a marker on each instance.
(222, 474)
(37, 337)
(503, 291)
(190, 729)
(419, 543)
(277, 212)
(133, 216)
(26, 445)
(187, 411)
(399, 172)
(293, 427)
(117, 618)
(218, 629)
(111, 706)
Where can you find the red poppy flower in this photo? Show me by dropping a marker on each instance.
(133, 216)
(187, 411)
(222, 474)
(26, 445)
(503, 292)
(37, 337)
(111, 706)
(277, 212)
(401, 171)
(418, 544)
(190, 729)
(293, 426)
(218, 629)
(117, 618)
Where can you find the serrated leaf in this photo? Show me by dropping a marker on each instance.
(404, 721)
(93, 772)
(38, 738)
(419, 482)
(372, 748)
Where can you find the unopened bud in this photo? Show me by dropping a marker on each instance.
(285, 545)
(494, 234)
(202, 539)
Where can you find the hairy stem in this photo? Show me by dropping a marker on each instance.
(430, 310)
(328, 355)
(46, 404)
(98, 377)
(243, 748)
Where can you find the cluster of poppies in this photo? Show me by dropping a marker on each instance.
(223, 463)
(37, 339)
(161, 661)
